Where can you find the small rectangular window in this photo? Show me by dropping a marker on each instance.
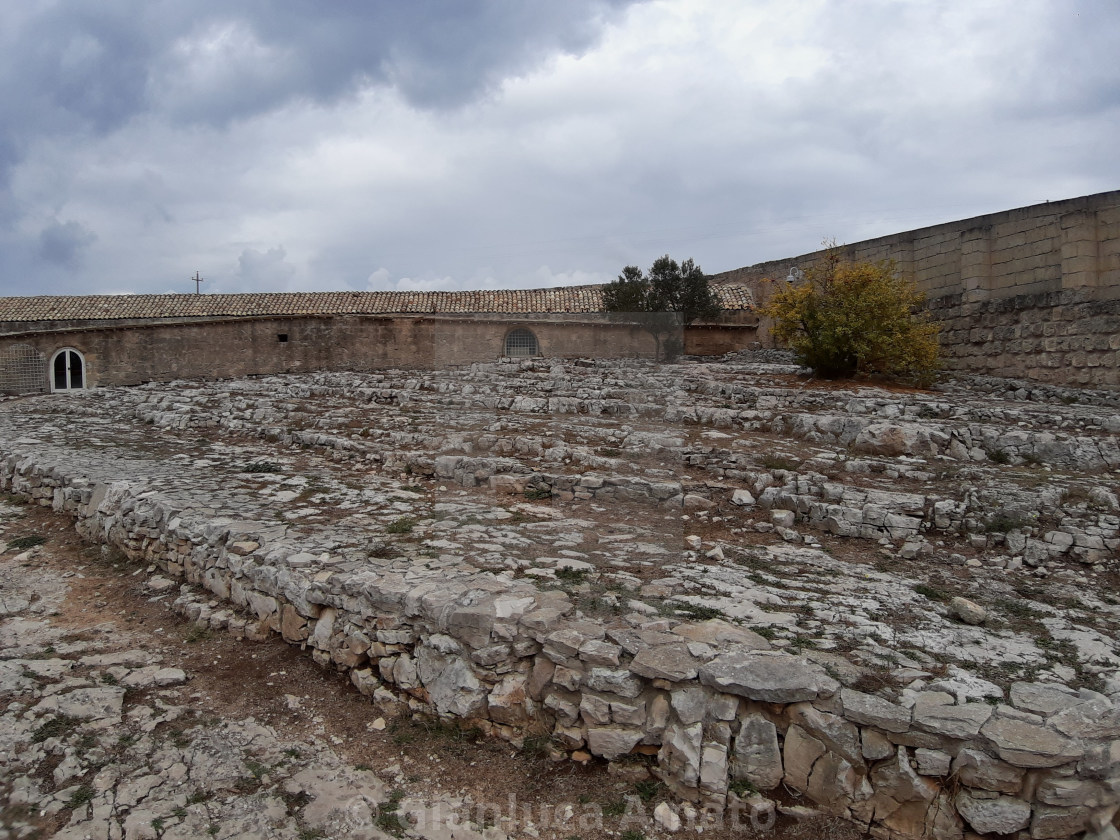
(282, 338)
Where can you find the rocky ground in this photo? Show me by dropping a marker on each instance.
(121, 719)
(963, 538)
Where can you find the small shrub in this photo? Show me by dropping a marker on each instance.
(647, 789)
(874, 680)
(535, 747)
(852, 318)
(742, 788)
(196, 633)
(572, 576)
(262, 467)
(1018, 609)
(1075, 495)
(930, 592)
(1003, 521)
(697, 612)
(388, 819)
(779, 462)
(403, 525)
(999, 456)
(24, 543)
(614, 808)
(56, 727)
(80, 797)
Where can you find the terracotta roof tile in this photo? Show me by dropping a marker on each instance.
(568, 299)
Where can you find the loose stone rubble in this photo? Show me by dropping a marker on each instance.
(900, 605)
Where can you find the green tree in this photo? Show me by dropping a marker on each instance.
(663, 302)
(851, 318)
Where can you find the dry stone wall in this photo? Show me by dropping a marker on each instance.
(728, 714)
(720, 708)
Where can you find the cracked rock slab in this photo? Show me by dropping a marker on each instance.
(770, 678)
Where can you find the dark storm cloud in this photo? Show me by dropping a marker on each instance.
(96, 65)
(500, 143)
(63, 243)
(76, 68)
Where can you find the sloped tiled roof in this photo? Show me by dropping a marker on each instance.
(568, 299)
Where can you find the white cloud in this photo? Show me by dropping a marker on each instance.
(726, 132)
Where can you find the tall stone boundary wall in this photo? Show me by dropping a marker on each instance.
(1062, 338)
(724, 714)
(1071, 244)
(1027, 293)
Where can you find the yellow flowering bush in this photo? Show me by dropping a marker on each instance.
(855, 318)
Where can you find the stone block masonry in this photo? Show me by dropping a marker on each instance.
(1068, 337)
(429, 626)
(1030, 293)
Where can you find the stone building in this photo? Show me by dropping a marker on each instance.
(75, 343)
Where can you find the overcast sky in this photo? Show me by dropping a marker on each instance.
(457, 144)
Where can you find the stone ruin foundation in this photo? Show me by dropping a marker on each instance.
(900, 606)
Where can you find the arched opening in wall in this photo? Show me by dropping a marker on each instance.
(68, 371)
(23, 370)
(521, 343)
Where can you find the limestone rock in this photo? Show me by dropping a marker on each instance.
(102, 703)
(680, 753)
(953, 721)
(874, 711)
(742, 498)
(836, 733)
(666, 662)
(1029, 745)
(999, 814)
(612, 741)
(771, 678)
(897, 780)
(979, 770)
(933, 762)
(666, 817)
(756, 756)
(615, 681)
(451, 684)
(800, 753)
(720, 634)
(1042, 698)
(968, 611)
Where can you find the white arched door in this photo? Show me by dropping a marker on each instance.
(68, 371)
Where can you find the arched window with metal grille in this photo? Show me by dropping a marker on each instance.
(521, 343)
